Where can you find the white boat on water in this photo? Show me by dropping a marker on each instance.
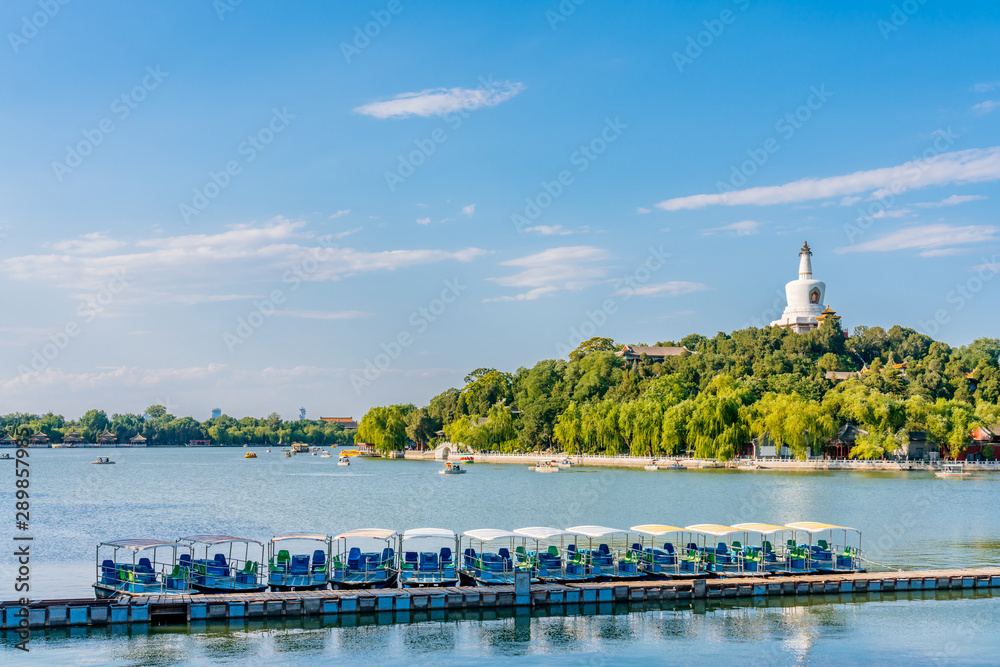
(564, 463)
(544, 466)
(651, 466)
(452, 469)
(344, 461)
(953, 471)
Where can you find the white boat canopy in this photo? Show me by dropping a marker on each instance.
(814, 527)
(655, 529)
(415, 533)
(712, 529)
(489, 534)
(215, 539)
(542, 533)
(376, 533)
(139, 544)
(596, 531)
(319, 537)
(763, 528)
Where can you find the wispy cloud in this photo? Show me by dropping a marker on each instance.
(195, 299)
(672, 288)
(340, 214)
(968, 166)
(88, 244)
(742, 228)
(643, 211)
(346, 233)
(986, 87)
(930, 240)
(953, 200)
(888, 213)
(549, 230)
(325, 315)
(440, 101)
(423, 221)
(469, 210)
(554, 270)
(986, 107)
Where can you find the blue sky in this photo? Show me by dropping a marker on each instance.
(258, 207)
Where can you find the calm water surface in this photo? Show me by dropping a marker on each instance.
(909, 521)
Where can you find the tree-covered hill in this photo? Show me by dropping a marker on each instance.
(718, 395)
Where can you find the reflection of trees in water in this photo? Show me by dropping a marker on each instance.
(430, 637)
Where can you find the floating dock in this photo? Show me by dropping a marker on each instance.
(180, 610)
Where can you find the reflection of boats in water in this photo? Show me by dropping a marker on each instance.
(953, 471)
(452, 469)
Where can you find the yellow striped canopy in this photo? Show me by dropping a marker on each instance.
(814, 527)
(712, 529)
(765, 528)
(655, 529)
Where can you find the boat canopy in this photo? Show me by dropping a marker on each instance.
(138, 544)
(215, 539)
(763, 528)
(377, 533)
(489, 534)
(542, 533)
(319, 537)
(428, 532)
(595, 531)
(712, 529)
(655, 529)
(814, 527)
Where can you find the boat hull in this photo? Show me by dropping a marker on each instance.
(360, 584)
(229, 588)
(107, 592)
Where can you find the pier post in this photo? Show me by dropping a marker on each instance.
(522, 589)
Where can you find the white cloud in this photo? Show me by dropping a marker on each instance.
(340, 214)
(672, 288)
(346, 233)
(953, 200)
(968, 166)
(325, 315)
(423, 221)
(642, 211)
(887, 213)
(195, 299)
(986, 107)
(931, 240)
(742, 228)
(469, 210)
(986, 87)
(554, 270)
(549, 230)
(239, 255)
(440, 101)
(850, 201)
(88, 244)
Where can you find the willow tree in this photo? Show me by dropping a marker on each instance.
(878, 444)
(720, 422)
(567, 430)
(384, 427)
(789, 419)
(640, 422)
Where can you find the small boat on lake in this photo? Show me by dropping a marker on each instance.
(352, 568)
(290, 571)
(676, 465)
(467, 460)
(343, 461)
(250, 455)
(563, 463)
(712, 464)
(452, 469)
(6, 457)
(325, 455)
(222, 573)
(103, 462)
(953, 471)
(141, 567)
(429, 566)
(651, 466)
(544, 466)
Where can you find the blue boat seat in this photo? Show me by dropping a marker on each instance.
(470, 558)
(428, 561)
(300, 564)
(185, 560)
(318, 560)
(109, 572)
(505, 557)
(411, 560)
(603, 548)
(446, 557)
(220, 559)
(354, 559)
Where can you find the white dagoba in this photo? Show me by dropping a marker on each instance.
(805, 298)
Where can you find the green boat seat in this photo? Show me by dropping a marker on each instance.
(823, 544)
(284, 559)
(553, 550)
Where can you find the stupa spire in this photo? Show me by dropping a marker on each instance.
(805, 261)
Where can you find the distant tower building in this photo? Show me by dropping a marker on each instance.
(805, 298)
(302, 413)
(216, 412)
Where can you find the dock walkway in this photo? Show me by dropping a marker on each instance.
(185, 609)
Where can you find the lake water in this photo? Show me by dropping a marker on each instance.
(910, 520)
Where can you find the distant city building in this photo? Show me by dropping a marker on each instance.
(216, 412)
(347, 422)
(805, 297)
(635, 352)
